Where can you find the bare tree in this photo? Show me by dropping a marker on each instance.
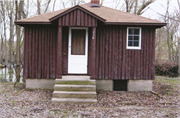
(171, 37)
(178, 11)
(38, 7)
(76, 2)
(4, 39)
(10, 13)
(160, 44)
(137, 6)
(54, 5)
(47, 5)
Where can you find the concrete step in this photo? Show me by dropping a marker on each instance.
(72, 94)
(71, 77)
(73, 100)
(75, 82)
(74, 88)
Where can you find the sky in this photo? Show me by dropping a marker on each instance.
(159, 6)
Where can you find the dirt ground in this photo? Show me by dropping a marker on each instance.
(19, 102)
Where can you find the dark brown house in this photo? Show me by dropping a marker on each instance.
(115, 48)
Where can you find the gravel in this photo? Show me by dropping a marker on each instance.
(19, 102)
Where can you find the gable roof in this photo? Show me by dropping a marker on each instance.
(104, 14)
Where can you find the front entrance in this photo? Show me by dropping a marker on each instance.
(78, 50)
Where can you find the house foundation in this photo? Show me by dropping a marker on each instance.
(104, 85)
(140, 85)
(132, 85)
(108, 85)
(40, 83)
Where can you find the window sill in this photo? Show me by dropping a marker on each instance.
(133, 48)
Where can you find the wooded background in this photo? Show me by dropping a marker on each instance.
(11, 35)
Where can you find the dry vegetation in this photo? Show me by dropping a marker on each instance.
(19, 102)
(166, 68)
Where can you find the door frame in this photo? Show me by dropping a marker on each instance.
(69, 45)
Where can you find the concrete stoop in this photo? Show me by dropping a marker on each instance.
(70, 89)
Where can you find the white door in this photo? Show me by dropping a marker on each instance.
(78, 50)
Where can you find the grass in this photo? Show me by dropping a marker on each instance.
(167, 86)
(10, 71)
(76, 82)
(14, 102)
(172, 82)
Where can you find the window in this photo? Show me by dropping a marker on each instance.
(133, 38)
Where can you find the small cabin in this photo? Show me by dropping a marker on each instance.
(114, 48)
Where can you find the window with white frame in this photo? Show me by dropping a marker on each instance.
(133, 38)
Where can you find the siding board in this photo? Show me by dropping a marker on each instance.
(59, 54)
(30, 52)
(147, 54)
(100, 59)
(102, 50)
(120, 47)
(33, 52)
(82, 18)
(74, 18)
(54, 54)
(144, 51)
(51, 55)
(25, 62)
(153, 53)
(150, 54)
(67, 19)
(124, 54)
(113, 54)
(77, 18)
(43, 52)
(36, 52)
(97, 54)
(116, 53)
(106, 54)
(110, 45)
(40, 53)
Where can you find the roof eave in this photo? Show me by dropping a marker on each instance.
(135, 24)
(31, 23)
(73, 8)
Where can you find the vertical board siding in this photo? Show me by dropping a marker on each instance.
(114, 61)
(77, 18)
(65, 51)
(26, 58)
(29, 52)
(39, 48)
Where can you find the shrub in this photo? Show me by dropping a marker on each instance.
(166, 67)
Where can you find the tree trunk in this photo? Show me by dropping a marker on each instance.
(168, 43)
(38, 7)
(54, 5)
(19, 15)
(179, 42)
(179, 56)
(10, 60)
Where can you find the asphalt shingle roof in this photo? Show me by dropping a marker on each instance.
(110, 15)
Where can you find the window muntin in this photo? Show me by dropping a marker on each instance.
(133, 38)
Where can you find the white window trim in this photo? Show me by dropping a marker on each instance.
(132, 47)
